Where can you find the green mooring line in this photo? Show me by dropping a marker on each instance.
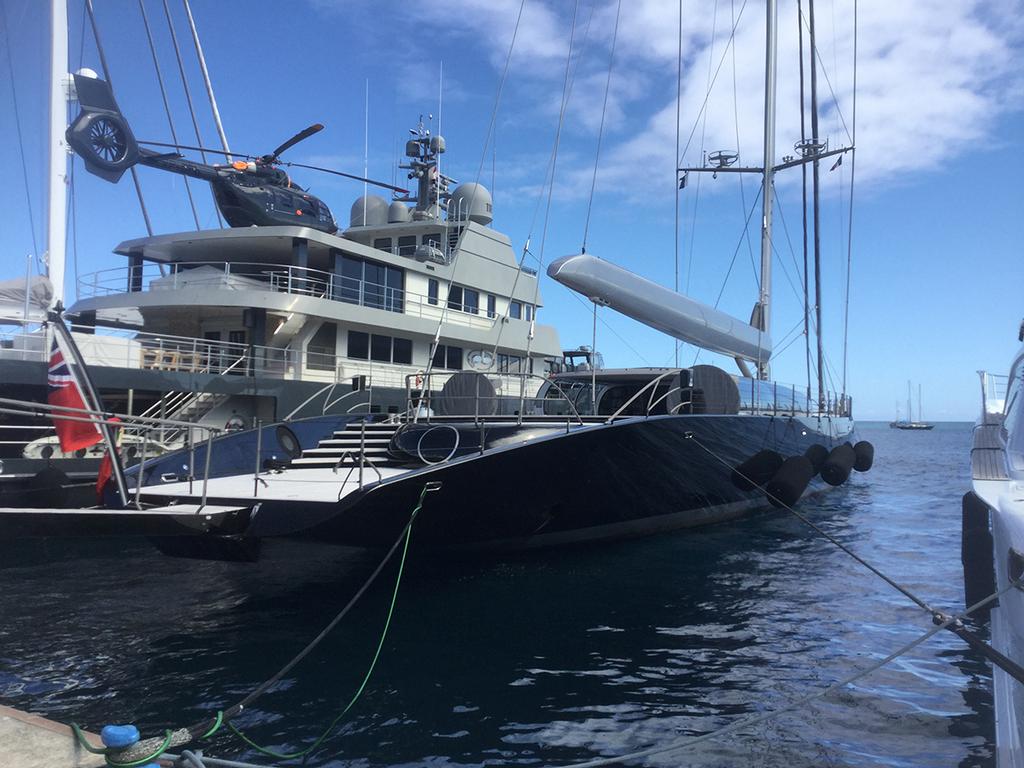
(362, 686)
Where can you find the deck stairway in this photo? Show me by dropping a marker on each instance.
(345, 447)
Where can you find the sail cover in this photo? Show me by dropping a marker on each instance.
(13, 294)
(661, 308)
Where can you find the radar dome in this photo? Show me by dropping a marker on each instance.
(369, 211)
(398, 213)
(472, 201)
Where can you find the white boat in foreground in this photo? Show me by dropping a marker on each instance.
(997, 481)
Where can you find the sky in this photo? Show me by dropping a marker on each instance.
(936, 257)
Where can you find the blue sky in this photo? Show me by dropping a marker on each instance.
(938, 235)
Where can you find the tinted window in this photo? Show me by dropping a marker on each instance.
(407, 245)
(383, 243)
(359, 345)
(515, 310)
(455, 297)
(432, 286)
(454, 358)
(470, 301)
(491, 301)
(380, 348)
(403, 351)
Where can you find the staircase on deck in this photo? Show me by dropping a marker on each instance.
(346, 447)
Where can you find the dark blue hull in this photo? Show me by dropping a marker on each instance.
(629, 478)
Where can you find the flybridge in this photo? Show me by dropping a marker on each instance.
(660, 308)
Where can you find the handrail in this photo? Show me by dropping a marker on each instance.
(424, 399)
(651, 383)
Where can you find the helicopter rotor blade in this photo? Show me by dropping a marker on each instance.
(349, 176)
(300, 136)
(196, 149)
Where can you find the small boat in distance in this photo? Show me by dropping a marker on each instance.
(909, 422)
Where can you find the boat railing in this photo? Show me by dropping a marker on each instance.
(277, 278)
(143, 426)
(510, 396)
(993, 392)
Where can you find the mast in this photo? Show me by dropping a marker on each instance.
(920, 410)
(57, 171)
(816, 207)
(770, 70)
(910, 403)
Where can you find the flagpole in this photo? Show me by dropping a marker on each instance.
(95, 404)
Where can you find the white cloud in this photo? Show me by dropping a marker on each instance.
(933, 76)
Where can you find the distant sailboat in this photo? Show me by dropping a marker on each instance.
(909, 422)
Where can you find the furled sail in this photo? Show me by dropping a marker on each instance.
(661, 308)
(24, 300)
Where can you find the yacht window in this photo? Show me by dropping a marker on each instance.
(529, 312)
(403, 351)
(407, 245)
(455, 297)
(510, 364)
(432, 289)
(491, 305)
(470, 301)
(372, 284)
(359, 345)
(515, 310)
(448, 357)
(382, 244)
(434, 239)
(380, 348)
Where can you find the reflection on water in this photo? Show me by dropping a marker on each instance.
(542, 660)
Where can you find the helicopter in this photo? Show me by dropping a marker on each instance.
(255, 191)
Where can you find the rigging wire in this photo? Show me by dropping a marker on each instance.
(835, 99)
(188, 100)
(849, 218)
(707, 95)
(167, 106)
(600, 131)
(21, 139)
(703, 117)
(736, 122)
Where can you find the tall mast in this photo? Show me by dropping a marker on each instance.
(920, 410)
(816, 207)
(58, 154)
(770, 68)
(910, 403)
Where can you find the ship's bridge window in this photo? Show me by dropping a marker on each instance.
(433, 239)
(407, 245)
(464, 299)
(514, 364)
(372, 284)
(382, 244)
(432, 291)
(519, 310)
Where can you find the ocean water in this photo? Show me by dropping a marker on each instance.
(546, 660)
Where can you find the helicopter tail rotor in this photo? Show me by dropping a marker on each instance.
(100, 133)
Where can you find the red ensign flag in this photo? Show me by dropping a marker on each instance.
(63, 391)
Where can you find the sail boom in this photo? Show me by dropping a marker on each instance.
(661, 308)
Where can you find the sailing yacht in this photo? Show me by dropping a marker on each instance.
(909, 423)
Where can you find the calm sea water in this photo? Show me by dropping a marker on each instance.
(541, 661)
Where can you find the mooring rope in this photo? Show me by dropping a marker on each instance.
(832, 539)
(150, 749)
(746, 722)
